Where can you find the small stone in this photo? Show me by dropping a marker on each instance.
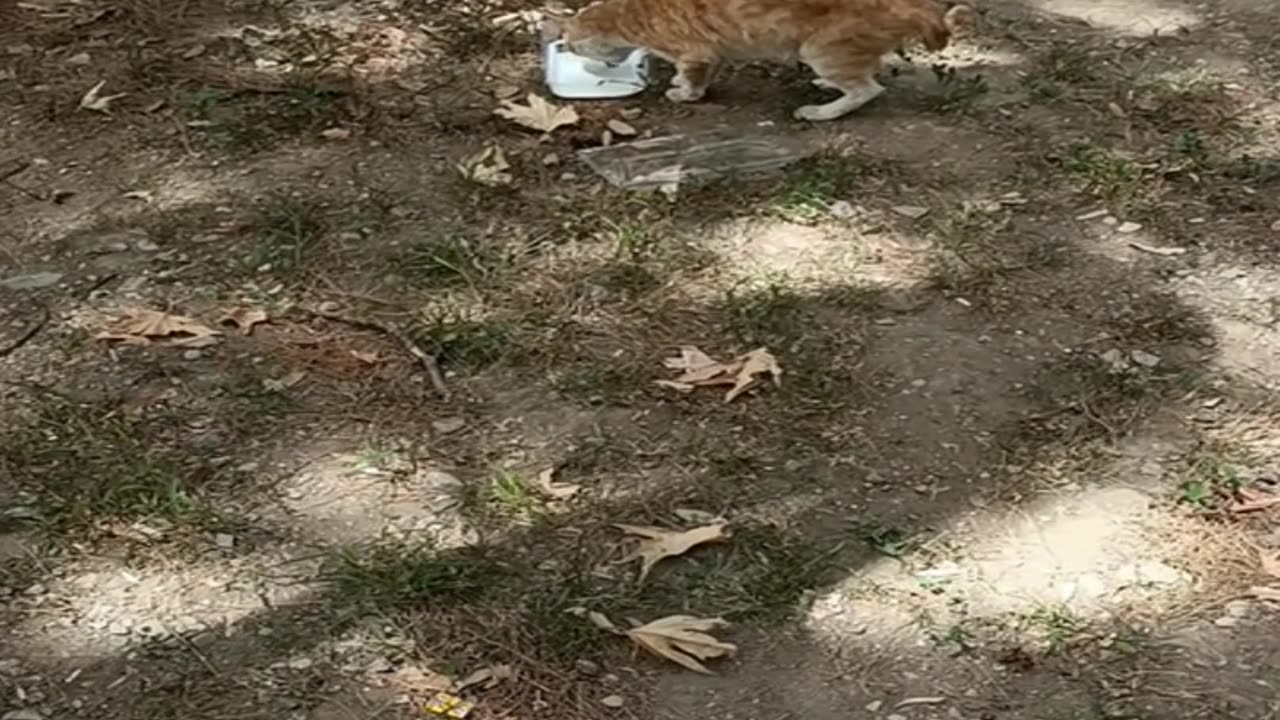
(1276, 226)
(300, 663)
(586, 667)
(620, 128)
(23, 714)
(1115, 359)
(1145, 359)
(1094, 215)
(1128, 227)
(448, 425)
(34, 281)
(132, 285)
(226, 541)
(146, 245)
(915, 212)
(896, 716)
(1238, 609)
(613, 701)
(842, 209)
(631, 113)
(1226, 622)
(550, 159)
(80, 59)
(192, 354)
(1157, 573)
(874, 706)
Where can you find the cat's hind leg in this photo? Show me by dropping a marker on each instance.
(852, 73)
(692, 78)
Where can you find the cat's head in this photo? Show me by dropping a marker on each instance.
(589, 34)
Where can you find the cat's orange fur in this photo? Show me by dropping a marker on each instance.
(843, 41)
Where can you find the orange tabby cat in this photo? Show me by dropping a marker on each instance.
(843, 41)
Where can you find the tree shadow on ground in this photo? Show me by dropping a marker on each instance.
(932, 366)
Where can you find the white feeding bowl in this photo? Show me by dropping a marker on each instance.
(574, 77)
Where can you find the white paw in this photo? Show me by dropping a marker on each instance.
(814, 113)
(682, 95)
(824, 83)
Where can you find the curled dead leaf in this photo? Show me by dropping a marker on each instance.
(243, 318)
(743, 372)
(94, 99)
(657, 543)
(487, 167)
(368, 358)
(537, 113)
(553, 490)
(486, 677)
(1270, 563)
(421, 680)
(141, 327)
(684, 640)
(602, 621)
(1262, 592)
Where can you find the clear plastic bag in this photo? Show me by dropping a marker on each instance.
(672, 161)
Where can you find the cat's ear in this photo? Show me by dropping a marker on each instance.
(554, 19)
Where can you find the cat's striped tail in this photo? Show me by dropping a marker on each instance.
(938, 29)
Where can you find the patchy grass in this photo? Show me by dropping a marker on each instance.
(443, 260)
(1060, 65)
(84, 464)
(1107, 175)
(956, 92)
(394, 574)
(288, 229)
(1055, 627)
(811, 187)
(511, 493)
(886, 540)
(459, 338)
(236, 120)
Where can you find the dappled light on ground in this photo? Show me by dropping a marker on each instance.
(1017, 465)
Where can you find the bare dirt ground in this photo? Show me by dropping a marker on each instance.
(1019, 464)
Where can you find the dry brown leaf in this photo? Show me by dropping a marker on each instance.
(700, 370)
(487, 678)
(143, 326)
(757, 362)
(1254, 502)
(683, 640)
(602, 621)
(419, 680)
(1270, 562)
(1270, 594)
(244, 318)
(553, 490)
(487, 167)
(368, 358)
(537, 114)
(94, 100)
(657, 543)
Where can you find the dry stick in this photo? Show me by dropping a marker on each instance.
(30, 333)
(427, 360)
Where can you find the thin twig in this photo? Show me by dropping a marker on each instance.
(30, 333)
(425, 359)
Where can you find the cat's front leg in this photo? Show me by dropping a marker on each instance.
(856, 94)
(691, 80)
